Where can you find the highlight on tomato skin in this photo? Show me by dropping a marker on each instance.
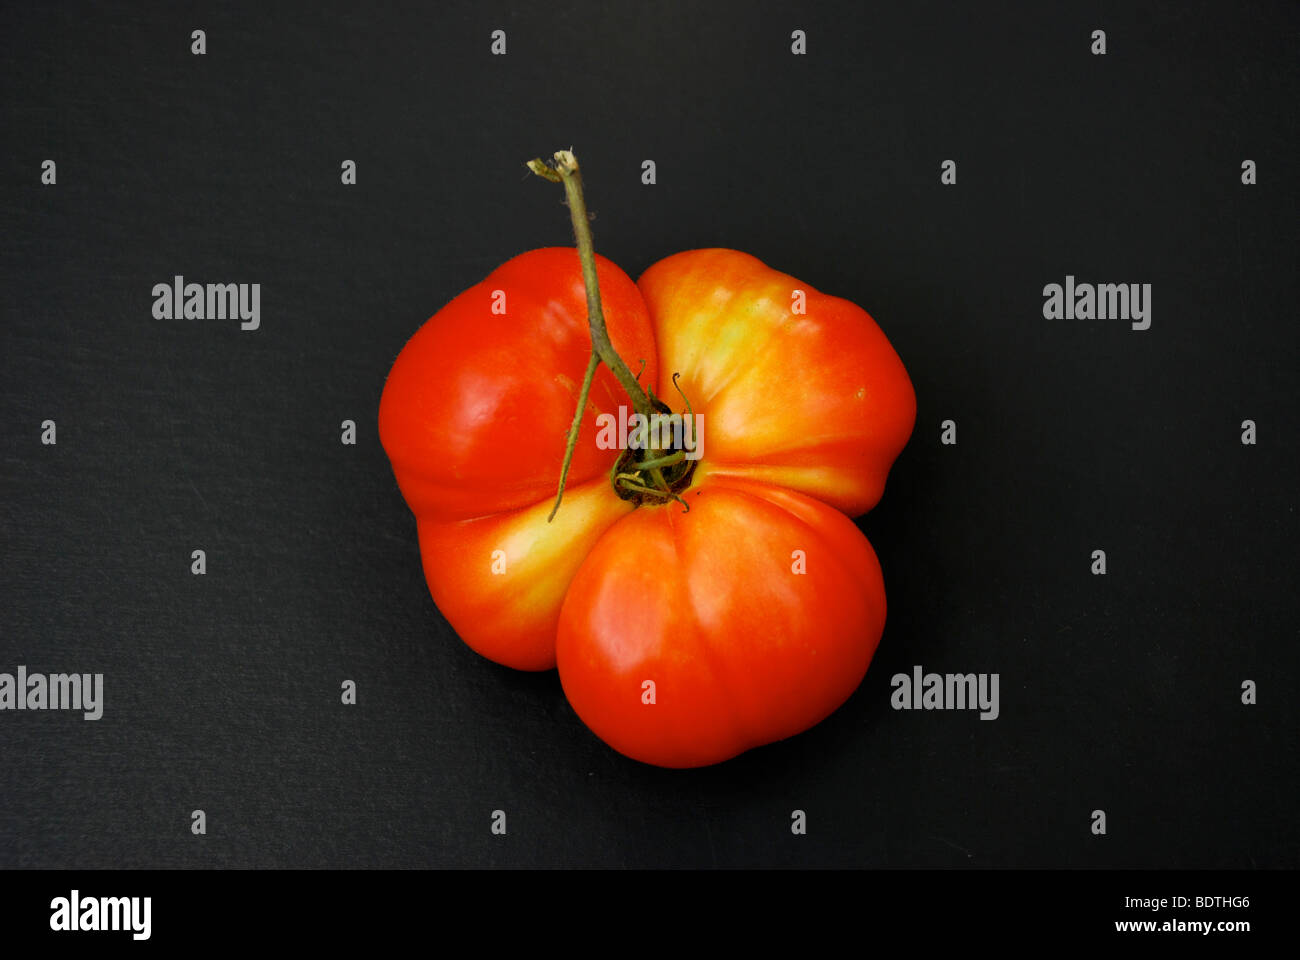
(688, 638)
(476, 408)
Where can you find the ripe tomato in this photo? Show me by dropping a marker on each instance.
(753, 615)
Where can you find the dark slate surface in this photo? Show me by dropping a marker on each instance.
(1119, 693)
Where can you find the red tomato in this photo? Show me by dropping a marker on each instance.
(684, 638)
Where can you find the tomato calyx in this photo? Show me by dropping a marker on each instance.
(630, 483)
(633, 479)
(657, 474)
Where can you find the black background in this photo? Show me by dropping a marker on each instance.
(1119, 692)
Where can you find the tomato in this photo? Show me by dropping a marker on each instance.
(682, 636)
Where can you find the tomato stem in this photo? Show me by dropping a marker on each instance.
(626, 481)
(566, 165)
(574, 429)
(565, 170)
(667, 460)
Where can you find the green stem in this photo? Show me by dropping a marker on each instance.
(651, 491)
(664, 461)
(566, 164)
(565, 170)
(574, 430)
